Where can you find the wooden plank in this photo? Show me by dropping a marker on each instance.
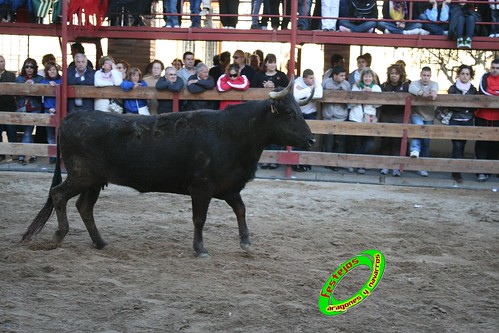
(35, 149)
(390, 162)
(25, 118)
(413, 131)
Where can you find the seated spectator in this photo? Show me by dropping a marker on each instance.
(80, 75)
(169, 82)
(232, 79)
(31, 104)
(303, 87)
(53, 78)
(494, 18)
(229, 7)
(396, 82)
(361, 10)
(461, 116)
(217, 70)
(399, 12)
(7, 104)
(335, 111)
(123, 66)
(134, 81)
(153, 73)
(423, 115)
(438, 15)
(107, 76)
(462, 19)
(199, 83)
(364, 113)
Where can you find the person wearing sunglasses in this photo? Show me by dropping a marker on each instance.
(31, 104)
(232, 79)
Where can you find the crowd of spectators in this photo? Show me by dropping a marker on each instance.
(193, 75)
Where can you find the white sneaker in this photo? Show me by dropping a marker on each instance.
(416, 31)
(350, 169)
(414, 154)
(361, 171)
(396, 173)
(384, 171)
(423, 173)
(492, 35)
(387, 31)
(424, 32)
(482, 177)
(167, 26)
(205, 11)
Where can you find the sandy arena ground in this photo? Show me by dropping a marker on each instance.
(440, 246)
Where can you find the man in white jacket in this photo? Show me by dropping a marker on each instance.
(303, 87)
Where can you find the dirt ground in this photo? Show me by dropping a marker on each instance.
(440, 246)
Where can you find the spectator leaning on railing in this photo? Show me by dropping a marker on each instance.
(489, 85)
(8, 104)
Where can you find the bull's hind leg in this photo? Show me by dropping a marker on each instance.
(85, 205)
(60, 196)
(239, 209)
(200, 206)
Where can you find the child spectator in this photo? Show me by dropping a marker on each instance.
(134, 81)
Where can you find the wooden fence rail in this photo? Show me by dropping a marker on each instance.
(403, 131)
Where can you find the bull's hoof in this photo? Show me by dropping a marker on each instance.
(246, 247)
(100, 245)
(202, 255)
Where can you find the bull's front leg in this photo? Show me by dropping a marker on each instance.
(200, 204)
(239, 209)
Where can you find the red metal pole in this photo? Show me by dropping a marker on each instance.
(64, 44)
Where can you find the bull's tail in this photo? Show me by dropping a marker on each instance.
(44, 214)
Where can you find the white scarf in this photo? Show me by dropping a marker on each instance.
(464, 87)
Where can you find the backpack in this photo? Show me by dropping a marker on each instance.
(362, 9)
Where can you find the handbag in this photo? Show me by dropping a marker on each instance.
(143, 110)
(443, 115)
(115, 106)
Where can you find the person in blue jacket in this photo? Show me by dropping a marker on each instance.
(133, 81)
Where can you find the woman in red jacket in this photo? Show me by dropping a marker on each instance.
(232, 79)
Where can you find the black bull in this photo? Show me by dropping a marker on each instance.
(205, 154)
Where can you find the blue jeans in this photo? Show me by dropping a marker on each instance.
(170, 6)
(433, 27)
(392, 27)
(11, 132)
(304, 11)
(458, 145)
(195, 9)
(421, 145)
(465, 26)
(354, 27)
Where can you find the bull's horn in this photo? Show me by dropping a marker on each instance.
(306, 101)
(282, 93)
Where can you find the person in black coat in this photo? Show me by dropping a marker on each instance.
(170, 82)
(198, 83)
(7, 104)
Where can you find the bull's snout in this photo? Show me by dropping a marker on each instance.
(311, 141)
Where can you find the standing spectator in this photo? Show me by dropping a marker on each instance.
(123, 66)
(462, 19)
(489, 85)
(274, 10)
(7, 104)
(229, 7)
(361, 10)
(330, 10)
(170, 7)
(245, 70)
(78, 48)
(199, 83)
(398, 14)
(494, 18)
(255, 62)
(270, 77)
(438, 15)
(286, 10)
(195, 6)
(232, 79)
(423, 115)
(336, 60)
(354, 76)
(134, 81)
(53, 78)
(178, 64)
(304, 10)
(364, 113)
(80, 75)
(31, 104)
(256, 5)
(303, 87)
(189, 68)
(461, 116)
(153, 73)
(107, 76)
(217, 70)
(335, 111)
(169, 82)
(395, 82)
